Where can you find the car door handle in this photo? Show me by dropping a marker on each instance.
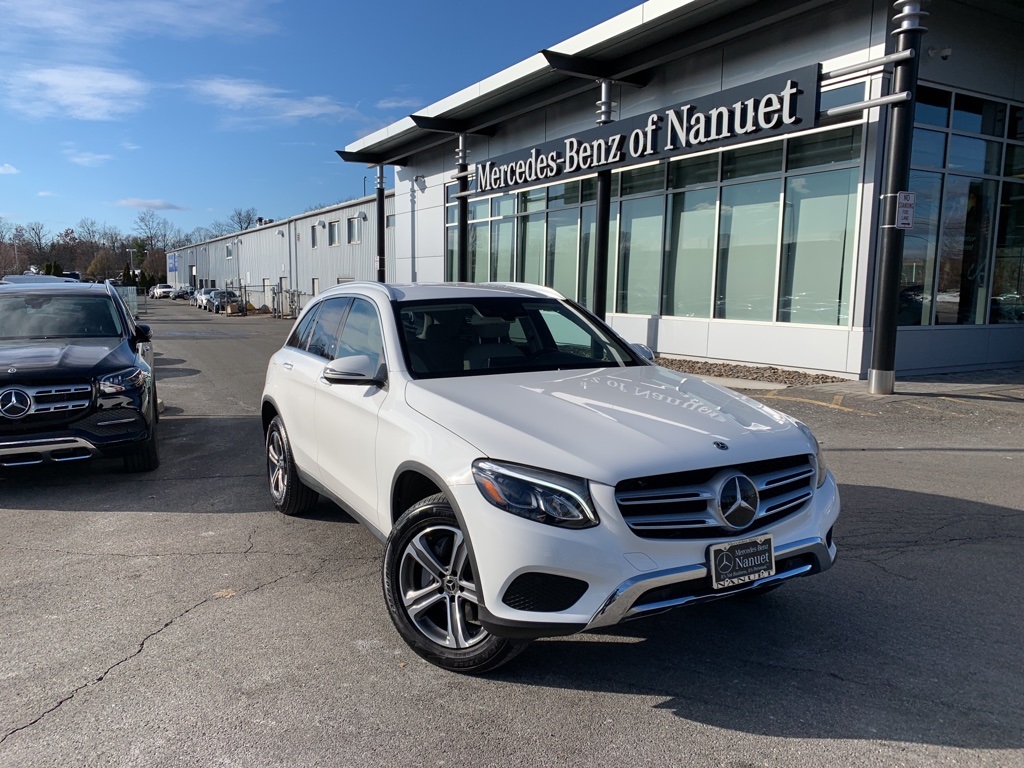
(287, 366)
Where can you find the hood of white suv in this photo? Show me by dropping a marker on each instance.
(607, 424)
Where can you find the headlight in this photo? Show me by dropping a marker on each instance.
(819, 456)
(129, 378)
(537, 495)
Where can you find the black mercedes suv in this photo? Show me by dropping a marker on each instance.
(76, 377)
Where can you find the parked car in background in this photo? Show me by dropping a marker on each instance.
(162, 291)
(183, 292)
(76, 377)
(529, 472)
(199, 298)
(218, 300)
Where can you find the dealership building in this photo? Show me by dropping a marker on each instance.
(711, 177)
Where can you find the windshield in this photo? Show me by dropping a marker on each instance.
(501, 335)
(39, 316)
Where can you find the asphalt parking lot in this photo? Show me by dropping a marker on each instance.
(175, 619)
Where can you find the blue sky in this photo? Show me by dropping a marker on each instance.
(196, 107)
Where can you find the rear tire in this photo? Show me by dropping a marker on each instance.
(291, 496)
(431, 592)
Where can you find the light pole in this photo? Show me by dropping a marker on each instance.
(238, 270)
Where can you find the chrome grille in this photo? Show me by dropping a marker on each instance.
(57, 398)
(679, 505)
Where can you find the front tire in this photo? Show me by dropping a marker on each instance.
(146, 457)
(291, 496)
(432, 594)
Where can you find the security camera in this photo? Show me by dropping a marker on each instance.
(942, 53)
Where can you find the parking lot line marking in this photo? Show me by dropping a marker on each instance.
(833, 404)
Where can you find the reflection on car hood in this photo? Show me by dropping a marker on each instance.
(62, 358)
(607, 424)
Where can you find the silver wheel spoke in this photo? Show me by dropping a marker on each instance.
(419, 551)
(418, 603)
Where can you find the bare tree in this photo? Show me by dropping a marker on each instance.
(242, 219)
(152, 228)
(36, 240)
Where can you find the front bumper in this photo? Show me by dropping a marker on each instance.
(621, 575)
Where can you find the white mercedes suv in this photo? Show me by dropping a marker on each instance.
(529, 472)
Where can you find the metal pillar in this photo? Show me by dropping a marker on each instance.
(882, 374)
(462, 174)
(381, 226)
(603, 214)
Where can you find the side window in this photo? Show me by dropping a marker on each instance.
(324, 339)
(361, 334)
(300, 336)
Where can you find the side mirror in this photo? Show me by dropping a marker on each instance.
(354, 369)
(644, 351)
(143, 332)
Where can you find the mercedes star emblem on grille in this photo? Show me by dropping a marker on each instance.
(738, 501)
(15, 403)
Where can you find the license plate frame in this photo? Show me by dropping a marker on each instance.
(731, 563)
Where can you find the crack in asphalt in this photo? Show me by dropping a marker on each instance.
(135, 653)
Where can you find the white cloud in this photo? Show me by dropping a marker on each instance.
(44, 193)
(397, 103)
(104, 23)
(130, 146)
(86, 159)
(8, 170)
(156, 205)
(85, 93)
(255, 103)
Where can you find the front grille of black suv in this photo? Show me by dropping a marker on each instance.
(678, 505)
(53, 405)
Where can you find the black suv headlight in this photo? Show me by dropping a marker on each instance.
(819, 456)
(544, 497)
(119, 381)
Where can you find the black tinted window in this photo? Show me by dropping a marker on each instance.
(324, 339)
(300, 335)
(361, 335)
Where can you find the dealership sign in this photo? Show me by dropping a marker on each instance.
(770, 107)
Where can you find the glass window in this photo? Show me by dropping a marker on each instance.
(324, 339)
(361, 334)
(563, 245)
(690, 256)
(1008, 273)
(841, 146)
(564, 194)
(450, 190)
(968, 208)
(690, 171)
(479, 252)
(920, 245)
(929, 148)
(354, 230)
(747, 248)
(389, 221)
(533, 200)
(974, 115)
(639, 264)
(1014, 167)
(932, 106)
(502, 249)
(312, 237)
(503, 205)
(451, 254)
(973, 155)
(1016, 129)
(588, 231)
(531, 249)
(752, 161)
(478, 209)
(451, 214)
(333, 232)
(650, 178)
(818, 247)
(588, 190)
